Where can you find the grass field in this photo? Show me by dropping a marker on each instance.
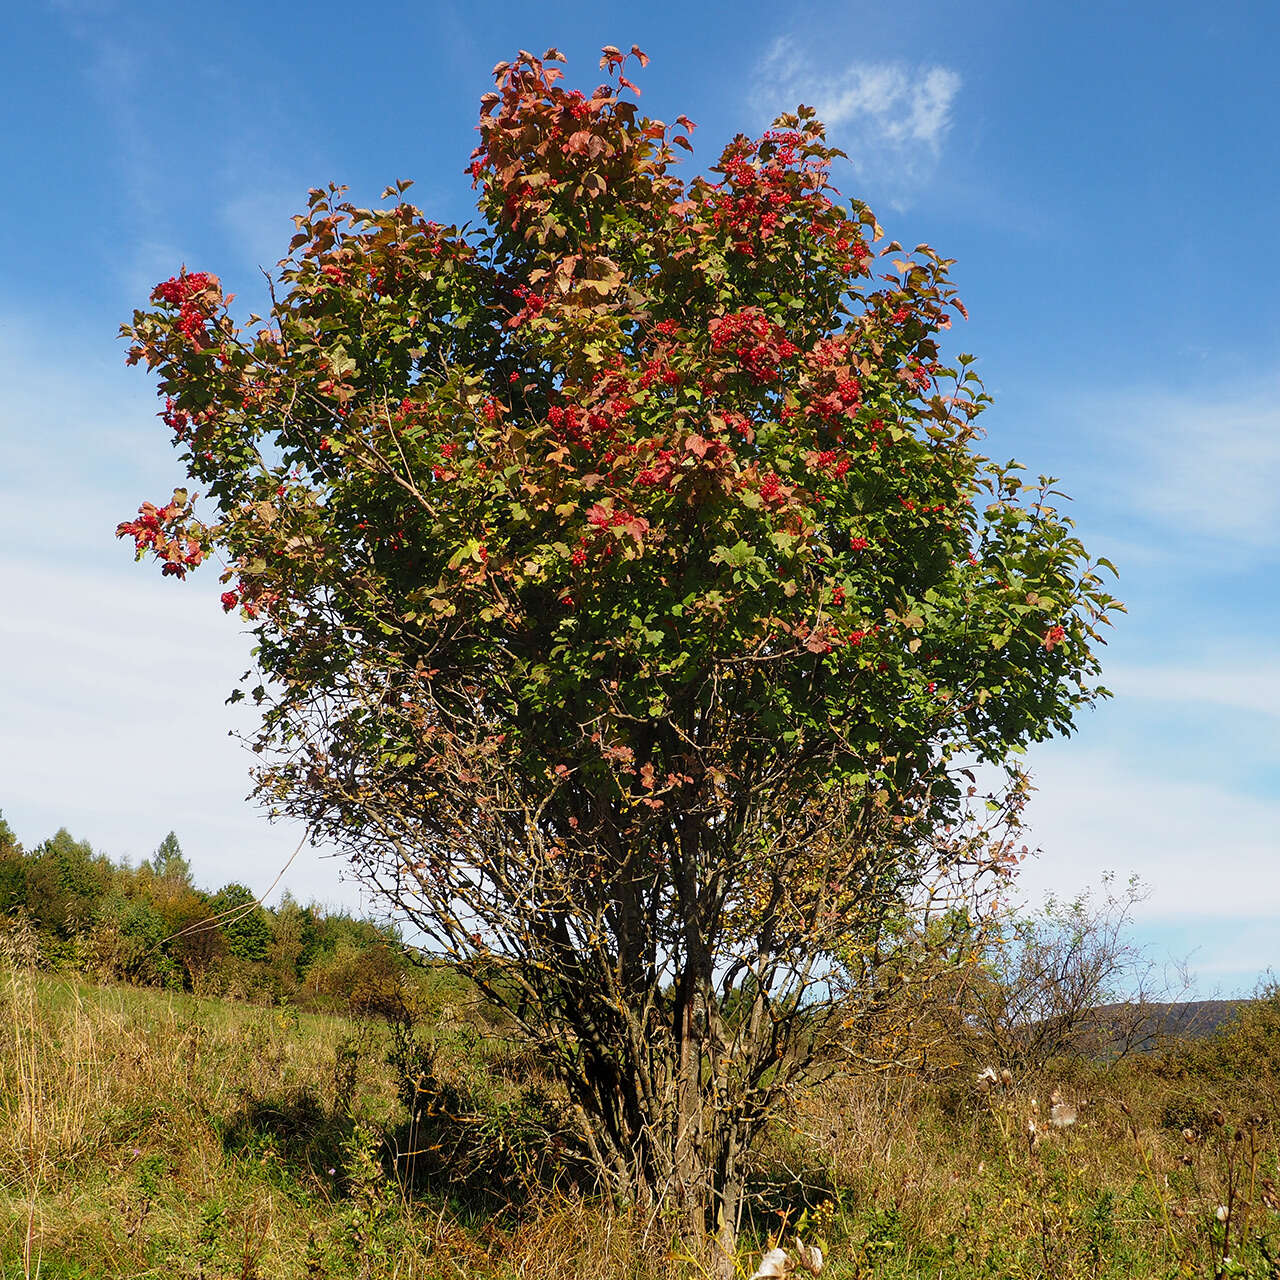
(147, 1134)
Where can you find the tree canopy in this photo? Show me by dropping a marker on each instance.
(629, 591)
(168, 863)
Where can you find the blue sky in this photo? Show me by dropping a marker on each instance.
(1106, 177)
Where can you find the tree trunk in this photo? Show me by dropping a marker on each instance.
(729, 1197)
(690, 1188)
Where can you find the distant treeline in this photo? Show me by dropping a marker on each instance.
(153, 926)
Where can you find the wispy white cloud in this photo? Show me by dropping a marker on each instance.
(240, 170)
(259, 219)
(115, 726)
(1174, 782)
(891, 117)
(1237, 682)
(113, 719)
(1204, 849)
(1203, 465)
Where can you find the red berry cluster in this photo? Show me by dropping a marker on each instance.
(831, 462)
(152, 531)
(177, 420)
(753, 197)
(189, 293)
(844, 400)
(441, 471)
(658, 371)
(659, 472)
(771, 488)
(409, 410)
(589, 428)
(600, 517)
(917, 375)
(741, 424)
(533, 305)
(759, 344)
(577, 104)
(250, 601)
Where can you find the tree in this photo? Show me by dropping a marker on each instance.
(126, 941)
(293, 942)
(1067, 979)
(168, 864)
(13, 878)
(64, 881)
(8, 841)
(628, 593)
(244, 924)
(196, 942)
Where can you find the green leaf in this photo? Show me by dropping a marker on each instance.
(736, 557)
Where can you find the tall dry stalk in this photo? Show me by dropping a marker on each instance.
(50, 1082)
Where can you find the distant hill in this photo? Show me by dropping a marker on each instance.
(1145, 1026)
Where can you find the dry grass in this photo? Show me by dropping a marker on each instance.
(147, 1135)
(943, 1179)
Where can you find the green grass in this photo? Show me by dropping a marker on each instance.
(147, 1134)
